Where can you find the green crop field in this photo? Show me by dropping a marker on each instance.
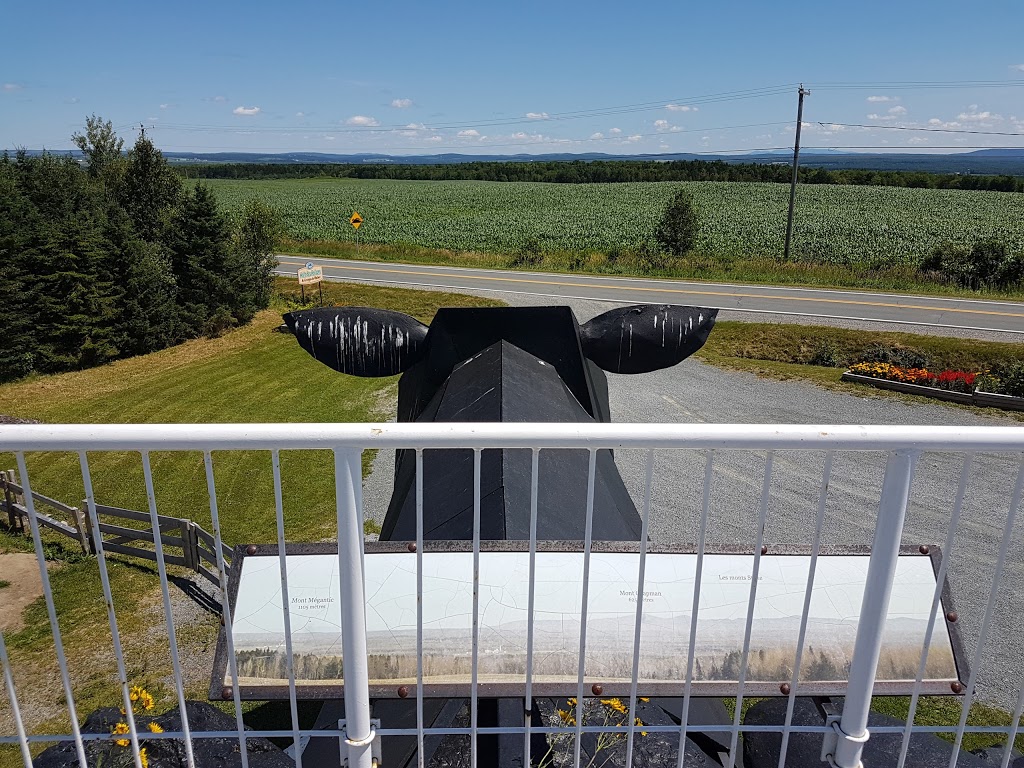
(866, 226)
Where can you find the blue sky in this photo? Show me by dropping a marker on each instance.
(406, 77)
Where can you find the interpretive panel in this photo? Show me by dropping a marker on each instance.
(503, 623)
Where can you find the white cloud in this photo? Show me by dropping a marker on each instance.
(329, 138)
(973, 115)
(363, 120)
(300, 114)
(898, 111)
(614, 131)
(680, 108)
(415, 126)
(434, 139)
(634, 137)
(917, 140)
(246, 110)
(9, 87)
(874, 116)
(882, 99)
(520, 135)
(596, 136)
(537, 115)
(1017, 67)
(165, 106)
(401, 103)
(220, 99)
(470, 133)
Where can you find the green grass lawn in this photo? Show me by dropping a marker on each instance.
(251, 374)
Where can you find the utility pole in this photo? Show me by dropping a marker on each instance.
(796, 167)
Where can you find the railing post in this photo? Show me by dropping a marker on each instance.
(358, 733)
(852, 729)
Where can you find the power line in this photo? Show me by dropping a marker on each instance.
(920, 84)
(826, 124)
(905, 148)
(542, 117)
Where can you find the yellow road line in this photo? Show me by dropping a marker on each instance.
(566, 284)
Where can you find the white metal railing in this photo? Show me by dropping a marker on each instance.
(903, 446)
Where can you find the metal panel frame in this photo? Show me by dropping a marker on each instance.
(218, 691)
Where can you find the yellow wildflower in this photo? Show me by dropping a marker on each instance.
(567, 717)
(155, 728)
(120, 730)
(615, 704)
(639, 723)
(644, 698)
(144, 758)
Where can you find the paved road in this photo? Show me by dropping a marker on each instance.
(959, 317)
(694, 392)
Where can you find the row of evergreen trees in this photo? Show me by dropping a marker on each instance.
(117, 257)
(607, 171)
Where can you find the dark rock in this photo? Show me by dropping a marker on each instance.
(653, 750)
(761, 750)
(993, 756)
(167, 753)
(16, 420)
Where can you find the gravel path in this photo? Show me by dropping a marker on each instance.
(694, 392)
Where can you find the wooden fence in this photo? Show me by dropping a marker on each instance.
(198, 548)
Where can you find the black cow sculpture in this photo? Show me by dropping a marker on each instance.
(534, 364)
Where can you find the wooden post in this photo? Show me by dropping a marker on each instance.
(189, 544)
(16, 522)
(88, 528)
(78, 521)
(8, 501)
(17, 498)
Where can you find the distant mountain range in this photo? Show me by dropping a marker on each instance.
(982, 161)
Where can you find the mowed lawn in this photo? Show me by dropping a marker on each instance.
(251, 374)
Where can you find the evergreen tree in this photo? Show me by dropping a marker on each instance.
(149, 190)
(200, 256)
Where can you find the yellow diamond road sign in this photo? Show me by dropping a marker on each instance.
(356, 220)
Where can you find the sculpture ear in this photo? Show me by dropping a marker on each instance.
(360, 341)
(646, 337)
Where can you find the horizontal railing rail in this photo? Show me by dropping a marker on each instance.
(843, 735)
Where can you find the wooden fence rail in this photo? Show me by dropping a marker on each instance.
(198, 548)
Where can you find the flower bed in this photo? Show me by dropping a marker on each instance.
(952, 386)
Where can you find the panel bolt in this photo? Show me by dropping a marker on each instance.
(403, 691)
(226, 692)
(784, 689)
(956, 686)
(952, 616)
(411, 546)
(251, 549)
(597, 689)
(924, 549)
(764, 549)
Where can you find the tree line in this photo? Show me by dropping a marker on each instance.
(606, 171)
(117, 256)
